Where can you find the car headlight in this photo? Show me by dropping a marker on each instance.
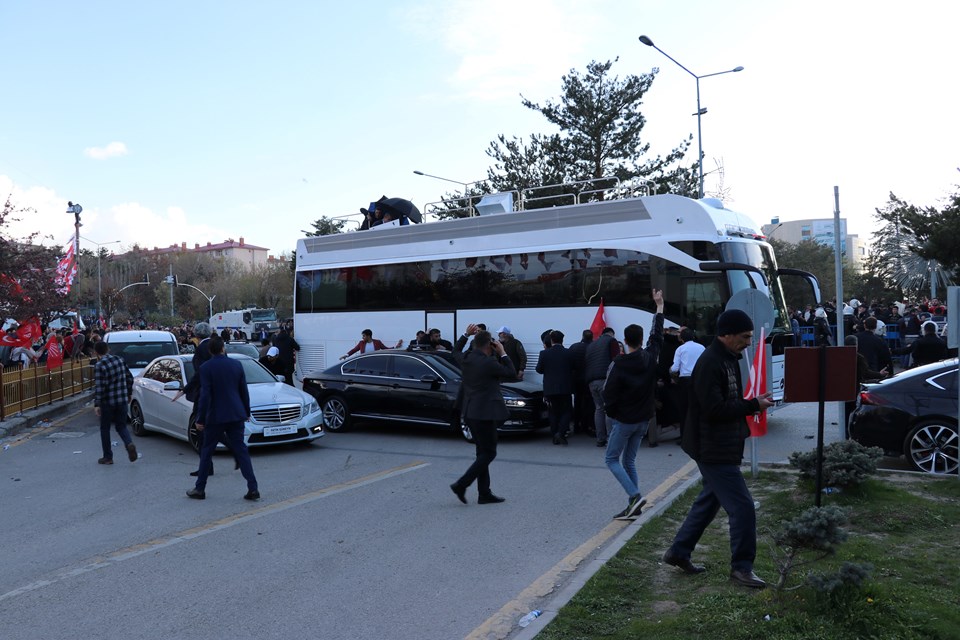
(514, 401)
(313, 407)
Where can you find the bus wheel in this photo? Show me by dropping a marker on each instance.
(336, 415)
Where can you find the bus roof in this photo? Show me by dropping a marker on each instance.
(610, 223)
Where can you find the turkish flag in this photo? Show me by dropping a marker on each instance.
(757, 386)
(599, 323)
(24, 336)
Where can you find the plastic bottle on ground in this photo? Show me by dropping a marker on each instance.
(530, 617)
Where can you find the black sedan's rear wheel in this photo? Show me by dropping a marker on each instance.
(336, 415)
(136, 419)
(931, 447)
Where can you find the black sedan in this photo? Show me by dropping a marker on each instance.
(913, 414)
(411, 387)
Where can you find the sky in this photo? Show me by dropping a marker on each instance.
(184, 121)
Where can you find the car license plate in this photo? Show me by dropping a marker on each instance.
(278, 431)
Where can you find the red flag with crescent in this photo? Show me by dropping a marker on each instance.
(757, 386)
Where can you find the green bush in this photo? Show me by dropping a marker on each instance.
(811, 536)
(845, 464)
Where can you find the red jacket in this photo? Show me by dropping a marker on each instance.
(377, 346)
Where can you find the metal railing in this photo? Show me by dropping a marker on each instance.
(36, 386)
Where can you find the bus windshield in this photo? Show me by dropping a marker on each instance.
(760, 256)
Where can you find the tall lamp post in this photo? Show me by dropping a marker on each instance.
(99, 281)
(700, 111)
(209, 298)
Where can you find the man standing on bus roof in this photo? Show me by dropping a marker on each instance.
(514, 349)
(483, 408)
(600, 353)
(715, 436)
(369, 344)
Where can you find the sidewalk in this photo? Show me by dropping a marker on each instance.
(18, 422)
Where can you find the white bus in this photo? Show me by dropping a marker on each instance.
(535, 270)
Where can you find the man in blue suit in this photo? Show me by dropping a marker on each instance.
(224, 406)
(557, 365)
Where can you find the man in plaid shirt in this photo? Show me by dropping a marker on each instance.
(113, 384)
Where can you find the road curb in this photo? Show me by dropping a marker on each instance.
(20, 421)
(686, 478)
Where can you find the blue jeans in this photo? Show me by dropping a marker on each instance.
(113, 415)
(621, 456)
(723, 486)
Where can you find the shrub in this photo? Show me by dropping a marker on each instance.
(811, 536)
(845, 464)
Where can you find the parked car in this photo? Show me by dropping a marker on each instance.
(139, 347)
(246, 348)
(418, 387)
(279, 413)
(913, 414)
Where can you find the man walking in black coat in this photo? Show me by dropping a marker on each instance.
(483, 367)
(556, 364)
(714, 437)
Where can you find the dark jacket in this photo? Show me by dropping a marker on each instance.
(556, 364)
(822, 333)
(600, 353)
(925, 349)
(716, 426)
(482, 374)
(200, 355)
(224, 396)
(628, 392)
(517, 354)
(875, 350)
(578, 350)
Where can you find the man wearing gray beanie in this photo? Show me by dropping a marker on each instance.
(714, 436)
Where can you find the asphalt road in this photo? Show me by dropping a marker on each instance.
(357, 535)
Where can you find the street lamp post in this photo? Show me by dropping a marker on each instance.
(99, 281)
(700, 111)
(209, 298)
(466, 185)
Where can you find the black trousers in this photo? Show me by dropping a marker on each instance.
(485, 438)
(559, 413)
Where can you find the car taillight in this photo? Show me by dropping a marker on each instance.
(868, 397)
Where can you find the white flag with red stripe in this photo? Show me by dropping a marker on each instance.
(757, 386)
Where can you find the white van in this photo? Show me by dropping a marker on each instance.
(139, 348)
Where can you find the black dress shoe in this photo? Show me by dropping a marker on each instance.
(563, 440)
(196, 494)
(461, 493)
(197, 472)
(556, 440)
(683, 564)
(601, 443)
(490, 499)
(252, 495)
(747, 579)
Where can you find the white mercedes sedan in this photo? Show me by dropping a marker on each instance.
(279, 413)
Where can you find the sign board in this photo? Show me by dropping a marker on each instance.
(802, 375)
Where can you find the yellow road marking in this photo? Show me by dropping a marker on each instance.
(502, 623)
(112, 558)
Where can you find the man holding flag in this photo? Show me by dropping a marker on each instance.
(714, 437)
